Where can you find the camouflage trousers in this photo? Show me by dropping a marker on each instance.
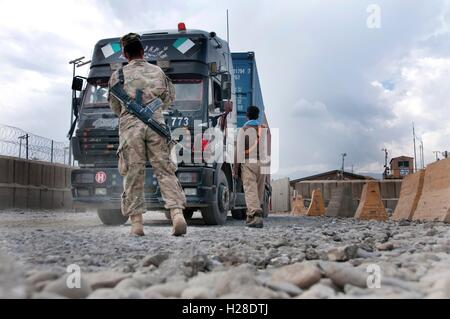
(254, 183)
(139, 143)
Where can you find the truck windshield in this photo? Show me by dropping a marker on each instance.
(96, 95)
(189, 94)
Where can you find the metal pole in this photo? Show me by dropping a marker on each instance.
(20, 147)
(421, 154)
(415, 152)
(26, 138)
(228, 30)
(343, 163)
(51, 154)
(437, 155)
(71, 115)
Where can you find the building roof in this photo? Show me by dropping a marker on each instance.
(331, 175)
(401, 157)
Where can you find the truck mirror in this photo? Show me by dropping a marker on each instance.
(77, 84)
(226, 86)
(226, 90)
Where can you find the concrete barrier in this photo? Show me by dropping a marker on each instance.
(33, 184)
(410, 194)
(434, 204)
(341, 203)
(298, 206)
(317, 206)
(390, 190)
(370, 205)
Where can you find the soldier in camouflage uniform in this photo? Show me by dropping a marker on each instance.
(139, 143)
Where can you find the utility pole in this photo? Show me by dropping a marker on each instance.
(343, 163)
(422, 158)
(415, 153)
(437, 155)
(386, 154)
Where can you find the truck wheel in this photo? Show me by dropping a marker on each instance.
(216, 213)
(239, 214)
(112, 217)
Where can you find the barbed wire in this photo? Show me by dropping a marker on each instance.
(19, 143)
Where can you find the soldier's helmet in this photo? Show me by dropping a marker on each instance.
(129, 39)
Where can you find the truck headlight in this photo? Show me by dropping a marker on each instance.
(190, 191)
(101, 191)
(188, 177)
(83, 192)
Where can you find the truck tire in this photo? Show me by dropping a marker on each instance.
(188, 212)
(112, 217)
(239, 214)
(216, 213)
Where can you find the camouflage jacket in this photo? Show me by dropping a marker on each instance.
(151, 80)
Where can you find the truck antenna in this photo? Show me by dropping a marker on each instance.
(228, 30)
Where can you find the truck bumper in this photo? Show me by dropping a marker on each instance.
(102, 188)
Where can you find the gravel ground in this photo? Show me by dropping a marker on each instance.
(291, 257)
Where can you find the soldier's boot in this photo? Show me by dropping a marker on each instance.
(255, 220)
(179, 225)
(137, 227)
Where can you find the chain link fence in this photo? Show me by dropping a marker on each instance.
(18, 143)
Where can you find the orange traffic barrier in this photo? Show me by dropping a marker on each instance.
(410, 193)
(370, 205)
(298, 206)
(341, 202)
(434, 204)
(317, 206)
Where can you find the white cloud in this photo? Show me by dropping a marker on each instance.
(421, 95)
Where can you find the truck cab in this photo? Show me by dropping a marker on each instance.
(200, 65)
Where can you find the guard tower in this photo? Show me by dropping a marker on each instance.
(401, 166)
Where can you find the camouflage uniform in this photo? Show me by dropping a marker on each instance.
(139, 143)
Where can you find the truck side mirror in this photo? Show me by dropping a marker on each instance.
(226, 86)
(77, 84)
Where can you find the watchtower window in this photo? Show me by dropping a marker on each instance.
(403, 164)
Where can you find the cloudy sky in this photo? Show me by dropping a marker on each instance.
(335, 79)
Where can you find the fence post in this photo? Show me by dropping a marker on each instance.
(51, 154)
(20, 147)
(26, 138)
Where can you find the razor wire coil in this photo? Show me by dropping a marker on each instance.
(13, 142)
